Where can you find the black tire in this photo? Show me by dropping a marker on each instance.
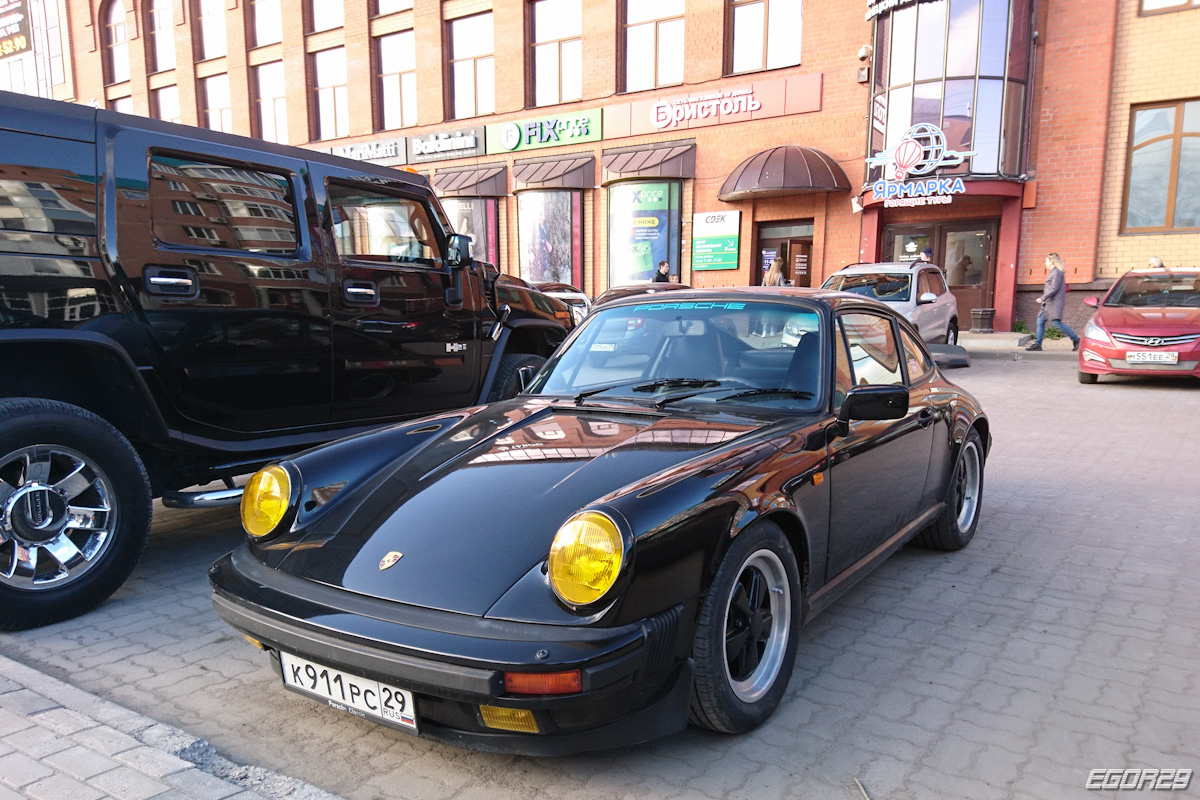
(744, 619)
(75, 496)
(1088, 377)
(956, 525)
(508, 379)
(952, 332)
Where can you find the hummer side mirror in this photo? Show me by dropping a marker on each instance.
(458, 251)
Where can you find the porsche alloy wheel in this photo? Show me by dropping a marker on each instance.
(745, 644)
(74, 518)
(955, 527)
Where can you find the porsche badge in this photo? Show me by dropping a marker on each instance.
(390, 559)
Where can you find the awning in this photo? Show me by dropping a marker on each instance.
(565, 172)
(785, 170)
(665, 160)
(484, 180)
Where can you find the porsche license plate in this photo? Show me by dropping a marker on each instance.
(362, 697)
(1159, 357)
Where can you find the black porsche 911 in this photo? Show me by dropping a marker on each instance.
(630, 544)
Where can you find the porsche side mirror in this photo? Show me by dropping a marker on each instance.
(1094, 302)
(926, 298)
(458, 251)
(872, 402)
(950, 356)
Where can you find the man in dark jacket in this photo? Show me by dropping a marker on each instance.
(1053, 300)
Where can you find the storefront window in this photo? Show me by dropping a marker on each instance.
(643, 229)
(959, 65)
(550, 236)
(475, 217)
(1160, 6)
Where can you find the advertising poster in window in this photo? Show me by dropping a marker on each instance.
(475, 217)
(643, 229)
(14, 29)
(544, 225)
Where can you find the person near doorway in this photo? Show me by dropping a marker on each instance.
(774, 275)
(663, 275)
(927, 255)
(956, 275)
(1052, 301)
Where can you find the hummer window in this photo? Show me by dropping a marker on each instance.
(218, 192)
(373, 226)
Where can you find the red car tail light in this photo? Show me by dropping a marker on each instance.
(568, 682)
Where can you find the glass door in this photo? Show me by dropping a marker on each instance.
(968, 251)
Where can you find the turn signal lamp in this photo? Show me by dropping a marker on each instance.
(585, 558)
(568, 682)
(265, 500)
(509, 719)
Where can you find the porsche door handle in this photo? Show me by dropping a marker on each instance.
(925, 418)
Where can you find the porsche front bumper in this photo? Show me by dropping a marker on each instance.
(635, 679)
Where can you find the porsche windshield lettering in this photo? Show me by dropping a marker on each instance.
(690, 306)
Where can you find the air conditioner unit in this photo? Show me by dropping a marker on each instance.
(204, 196)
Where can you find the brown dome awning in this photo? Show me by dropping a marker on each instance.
(785, 170)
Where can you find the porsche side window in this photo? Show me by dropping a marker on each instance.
(915, 358)
(873, 350)
(373, 226)
(843, 378)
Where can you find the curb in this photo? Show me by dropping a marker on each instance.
(63, 720)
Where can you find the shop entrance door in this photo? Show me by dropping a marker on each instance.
(790, 241)
(966, 252)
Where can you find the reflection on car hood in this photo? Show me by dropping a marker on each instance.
(479, 506)
(1150, 321)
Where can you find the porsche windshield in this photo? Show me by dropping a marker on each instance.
(1174, 289)
(704, 350)
(890, 287)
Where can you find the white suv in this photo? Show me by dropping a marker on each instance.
(917, 290)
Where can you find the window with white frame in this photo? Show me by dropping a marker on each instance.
(212, 28)
(325, 15)
(161, 23)
(218, 108)
(472, 66)
(396, 55)
(332, 100)
(557, 51)
(272, 102)
(766, 34)
(653, 44)
(267, 22)
(166, 104)
(116, 42)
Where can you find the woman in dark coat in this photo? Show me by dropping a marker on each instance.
(1053, 300)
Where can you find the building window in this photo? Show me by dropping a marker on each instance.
(212, 28)
(186, 207)
(161, 24)
(653, 44)
(550, 236)
(196, 232)
(476, 217)
(47, 43)
(267, 22)
(333, 105)
(1162, 187)
(272, 102)
(391, 6)
(643, 229)
(766, 34)
(122, 105)
(397, 59)
(117, 43)
(1162, 6)
(557, 51)
(166, 104)
(326, 15)
(472, 68)
(218, 108)
(958, 65)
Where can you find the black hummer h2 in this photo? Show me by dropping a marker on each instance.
(179, 306)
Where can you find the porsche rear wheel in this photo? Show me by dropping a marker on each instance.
(745, 645)
(955, 528)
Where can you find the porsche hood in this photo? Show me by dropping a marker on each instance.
(461, 520)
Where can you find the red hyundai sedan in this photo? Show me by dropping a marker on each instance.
(1148, 324)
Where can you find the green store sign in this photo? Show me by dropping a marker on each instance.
(534, 134)
(715, 239)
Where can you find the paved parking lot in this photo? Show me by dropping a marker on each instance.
(1066, 638)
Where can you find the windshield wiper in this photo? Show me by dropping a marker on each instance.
(796, 393)
(682, 383)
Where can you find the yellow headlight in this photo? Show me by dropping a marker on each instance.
(585, 558)
(265, 500)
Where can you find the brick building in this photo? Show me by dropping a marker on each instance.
(586, 140)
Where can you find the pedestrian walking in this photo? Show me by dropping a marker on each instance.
(1052, 301)
(664, 272)
(775, 274)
